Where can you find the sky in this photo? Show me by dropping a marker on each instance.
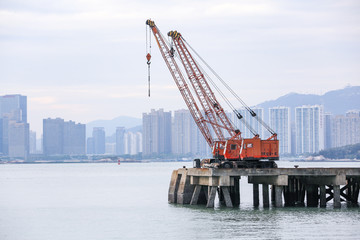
(84, 60)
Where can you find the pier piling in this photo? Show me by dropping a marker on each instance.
(256, 194)
(265, 191)
(322, 196)
(289, 186)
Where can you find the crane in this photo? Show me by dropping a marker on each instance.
(234, 151)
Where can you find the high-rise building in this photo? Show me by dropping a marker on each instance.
(110, 148)
(279, 120)
(346, 129)
(133, 143)
(60, 137)
(120, 141)
(14, 129)
(90, 145)
(74, 138)
(53, 136)
(156, 132)
(138, 142)
(327, 130)
(1, 136)
(32, 142)
(15, 106)
(186, 136)
(129, 143)
(4, 134)
(18, 139)
(309, 124)
(182, 139)
(98, 136)
(354, 122)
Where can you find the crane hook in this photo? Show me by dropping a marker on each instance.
(148, 57)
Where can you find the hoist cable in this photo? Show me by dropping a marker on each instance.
(253, 114)
(227, 101)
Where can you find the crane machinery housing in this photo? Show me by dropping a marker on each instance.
(231, 151)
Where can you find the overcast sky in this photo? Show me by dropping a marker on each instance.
(84, 60)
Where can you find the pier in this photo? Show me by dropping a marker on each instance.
(311, 187)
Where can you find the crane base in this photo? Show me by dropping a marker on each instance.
(216, 163)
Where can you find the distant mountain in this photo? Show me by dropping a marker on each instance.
(111, 125)
(335, 102)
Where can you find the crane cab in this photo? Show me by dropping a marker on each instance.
(246, 149)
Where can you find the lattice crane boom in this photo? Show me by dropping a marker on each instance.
(212, 108)
(183, 87)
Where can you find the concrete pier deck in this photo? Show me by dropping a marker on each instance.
(289, 186)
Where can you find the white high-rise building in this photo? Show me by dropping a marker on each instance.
(182, 129)
(133, 143)
(138, 137)
(346, 129)
(156, 132)
(309, 125)
(279, 120)
(187, 137)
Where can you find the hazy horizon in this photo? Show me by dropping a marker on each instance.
(85, 61)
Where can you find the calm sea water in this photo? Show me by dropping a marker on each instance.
(108, 201)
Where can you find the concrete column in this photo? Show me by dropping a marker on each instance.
(256, 194)
(221, 195)
(300, 193)
(349, 189)
(272, 194)
(322, 196)
(174, 185)
(265, 190)
(212, 195)
(235, 192)
(278, 196)
(337, 203)
(185, 190)
(356, 192)
(196, 194)
(312, 195)
(227, 198)
(290, 194)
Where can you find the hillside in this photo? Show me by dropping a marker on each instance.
(346, 152)
(335, 102)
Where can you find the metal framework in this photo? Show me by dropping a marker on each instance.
(212, 108)
(183, 87)
(235, 148)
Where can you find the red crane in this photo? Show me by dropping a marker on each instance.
(235, 151)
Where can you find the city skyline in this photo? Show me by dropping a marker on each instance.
(39, 127)
(74, 58)
(167, 133)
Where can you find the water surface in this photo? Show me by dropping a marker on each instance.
(108, 201)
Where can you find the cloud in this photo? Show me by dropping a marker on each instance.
(42, 100)
(236, 8)
(90, 55)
